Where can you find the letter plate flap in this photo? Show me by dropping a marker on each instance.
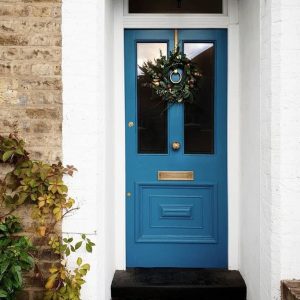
(175, 175)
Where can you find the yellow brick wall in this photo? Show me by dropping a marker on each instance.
(30, 73)
(31, 87)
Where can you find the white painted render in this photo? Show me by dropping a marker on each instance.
(88, 131)
(249, 259)
(270, 145)
(263, 140)
(290, 138)
(280, 161)
(270, 116)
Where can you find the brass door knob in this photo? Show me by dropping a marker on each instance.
(176, 145)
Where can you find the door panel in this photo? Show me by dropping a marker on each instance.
(176, 223)
(176, 214)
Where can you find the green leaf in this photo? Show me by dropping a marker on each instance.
(7, 155)
(86, 267)
(3, 294)
(78, 245)
(80, 281)
(68, 252)
(7, 283)
(17, 275)
(20, 151)
(27, 259)
(89, 248)
(79, 261)
(3, 228)
(83, 272)
(3, 266)
(22, 198)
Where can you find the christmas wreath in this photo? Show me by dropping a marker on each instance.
(175, 79)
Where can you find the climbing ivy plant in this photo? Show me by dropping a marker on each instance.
(15, 257)
(41, 186)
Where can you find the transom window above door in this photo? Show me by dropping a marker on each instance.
(176, 6)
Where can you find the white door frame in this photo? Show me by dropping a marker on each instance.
(228, 20)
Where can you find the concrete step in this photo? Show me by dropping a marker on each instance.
(177, 284)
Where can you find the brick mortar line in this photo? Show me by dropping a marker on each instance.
(26, 30)
(31, 3)
(35, 90)
(37, 4)
(26, 61)
(35, 45)
(12, 45)
(31, 61)
(42, 2)
(29, 46)
(35, 19)
(20, 2)
(41, 106)
(33, 289)
(31, 77)
(36, 77)
(9, 18)
(45, 34)
(32, 88)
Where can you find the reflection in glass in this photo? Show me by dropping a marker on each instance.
(176, 6)
(199, 115)
(152, 112)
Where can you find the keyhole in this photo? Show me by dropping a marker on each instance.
(179, 2)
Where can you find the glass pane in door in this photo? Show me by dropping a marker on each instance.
(152, 111)
(176, 6)
(199, 115)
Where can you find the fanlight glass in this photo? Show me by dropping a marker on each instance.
(176, 6)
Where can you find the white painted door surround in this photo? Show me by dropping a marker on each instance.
(94, 127)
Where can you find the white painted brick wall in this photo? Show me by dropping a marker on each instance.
(86, 115)
(249, 260)
(290, 138)
(280, 163)
(265, 159)
(279, 159)
(270, 166)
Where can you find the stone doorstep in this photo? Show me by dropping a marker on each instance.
(290, 289)
(177, 284)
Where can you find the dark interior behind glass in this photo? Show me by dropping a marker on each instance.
(152, 111)
(199, 115)
(176, 6)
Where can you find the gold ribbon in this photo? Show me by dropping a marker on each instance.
(176, 43)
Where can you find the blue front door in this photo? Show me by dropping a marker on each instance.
(176, 157)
